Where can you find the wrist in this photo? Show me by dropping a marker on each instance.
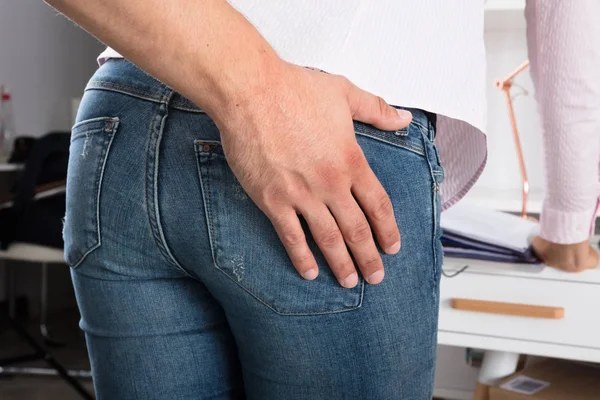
(566, 227)
(229, 71)
(235, 88)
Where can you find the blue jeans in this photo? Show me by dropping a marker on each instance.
(184, 288)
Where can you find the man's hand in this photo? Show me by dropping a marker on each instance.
(567, 257)
(293, 148)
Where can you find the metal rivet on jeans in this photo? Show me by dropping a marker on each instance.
(109, 125)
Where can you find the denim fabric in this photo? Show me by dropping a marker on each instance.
(185, 290)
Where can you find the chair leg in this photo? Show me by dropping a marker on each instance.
(11, 295)
(43, 354)
(48, 340)
(40, 352)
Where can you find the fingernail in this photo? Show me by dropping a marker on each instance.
(310, 274)
(376, 277)
(350, 281)
(407, 115)
(393, 249)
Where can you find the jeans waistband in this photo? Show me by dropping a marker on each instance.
(120, 75)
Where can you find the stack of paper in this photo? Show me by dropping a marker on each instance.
(485, 234)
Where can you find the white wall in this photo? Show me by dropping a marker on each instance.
(45, 60)
(505, 51)
(500, 183)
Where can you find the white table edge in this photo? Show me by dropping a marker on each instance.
(553, 350)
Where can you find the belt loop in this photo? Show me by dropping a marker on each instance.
(432, 124)
(167, 95)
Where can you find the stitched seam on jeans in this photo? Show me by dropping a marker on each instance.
(182, 103)
(152, 165)
(148, 183)
(362, 283)
(405, 144)
(206, 187)
(98, 186)
(89, 122)
(125, 93)
(205, 179)
(364, 128)
(434, 228)
(126, 89)
(142, 94)
(188, 109)
(156, 200)
(187, 331)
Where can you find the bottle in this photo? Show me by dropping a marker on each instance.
(7, 123)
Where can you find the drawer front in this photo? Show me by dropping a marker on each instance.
(580, 325)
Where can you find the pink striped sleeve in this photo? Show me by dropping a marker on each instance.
(564, 50)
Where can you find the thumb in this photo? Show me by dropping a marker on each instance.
(370, 109)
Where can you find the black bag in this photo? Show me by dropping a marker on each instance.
(38, 221)
(21, 150)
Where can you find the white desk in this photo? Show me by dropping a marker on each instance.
(504, 337)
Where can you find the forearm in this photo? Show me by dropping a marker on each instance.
(564, 50)
(204, 49)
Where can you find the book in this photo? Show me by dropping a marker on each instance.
(474, 232)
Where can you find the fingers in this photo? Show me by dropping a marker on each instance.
(539, 245)
(357, 234)
(374, 110)
(575, 257)
(292, 236)
(592, 260)
(378, 209)
(328, 237)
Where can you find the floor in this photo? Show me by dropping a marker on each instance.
(73, 356)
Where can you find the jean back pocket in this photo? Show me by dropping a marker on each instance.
(247, 249)
(90, 144)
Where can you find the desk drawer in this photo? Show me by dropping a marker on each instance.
(580, 325)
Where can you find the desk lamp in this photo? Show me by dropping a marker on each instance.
(505, 85)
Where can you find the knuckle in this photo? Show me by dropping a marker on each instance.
(279, 195)
(570, 267)
(292, 238)
(371, 263)
(343, 268)
(329, 174)
(360, 233)
(382, 106)
(355, 159)
(381, 208)
(578, 267)
(303, 260)
(271, 197)
(388, 238)
(345, 82)
(329, 238)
